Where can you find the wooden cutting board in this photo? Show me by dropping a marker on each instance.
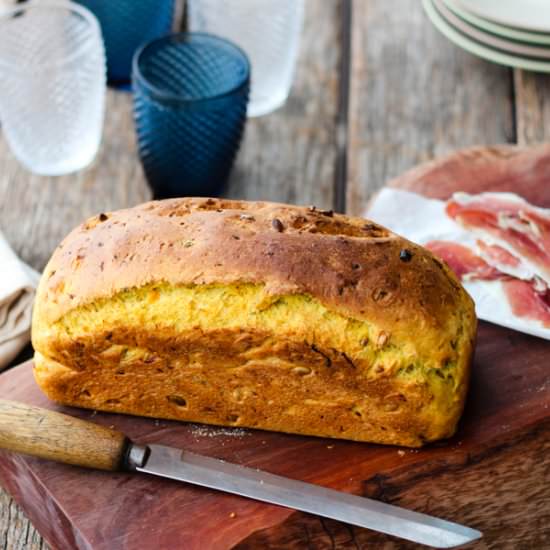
(494, 475)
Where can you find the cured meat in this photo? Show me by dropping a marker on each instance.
(526, 302)
(499, 255)
(525, 229)
(464, 263)
(527, 299)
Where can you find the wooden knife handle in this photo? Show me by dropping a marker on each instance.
(55, 436)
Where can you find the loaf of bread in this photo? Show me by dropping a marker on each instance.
(256, 315)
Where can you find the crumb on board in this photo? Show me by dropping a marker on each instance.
(401, 452)
(232, 515)
(200, 430)
(330, 446)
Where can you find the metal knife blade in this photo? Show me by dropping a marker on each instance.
(217, 474)
(54, 436)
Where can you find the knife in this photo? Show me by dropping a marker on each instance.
(55, 436)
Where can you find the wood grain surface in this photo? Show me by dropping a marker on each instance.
(16, 531)
(289, 156)
(532, 107)
(413, 97)
(53, 436)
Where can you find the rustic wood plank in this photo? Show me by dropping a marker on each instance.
(415, 96)
(532, 107)
(16, 531)
(289, 155)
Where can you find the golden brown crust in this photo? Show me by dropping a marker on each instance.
(350, 266)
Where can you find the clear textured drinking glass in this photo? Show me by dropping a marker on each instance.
(52, 98)
(267, 30)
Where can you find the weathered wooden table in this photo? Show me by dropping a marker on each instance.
(377, 90)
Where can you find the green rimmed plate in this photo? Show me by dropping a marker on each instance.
(478, 49)
(529, 15)
(495, 28)
(487, 39)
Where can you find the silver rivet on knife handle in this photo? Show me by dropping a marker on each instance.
(218, 474)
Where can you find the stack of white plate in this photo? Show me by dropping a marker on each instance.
(510, 32)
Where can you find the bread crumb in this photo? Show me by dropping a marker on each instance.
(330, 446)
(401, 452)
(232, 515)
(199, 430)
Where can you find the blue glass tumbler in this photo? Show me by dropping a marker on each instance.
(126, 25)
(190, 98)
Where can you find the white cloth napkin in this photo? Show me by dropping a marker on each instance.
(17, 287)
(422, 220)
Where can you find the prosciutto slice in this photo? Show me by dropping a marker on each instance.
(497, 256)
(527, 299)
(505, 262)
(510, 222)
(465, 264)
